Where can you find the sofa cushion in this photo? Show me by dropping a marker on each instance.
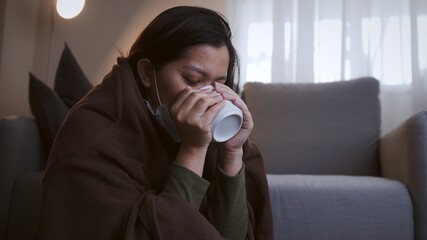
(71, 84)
(47, 108)
(340, 207)
(325, 128)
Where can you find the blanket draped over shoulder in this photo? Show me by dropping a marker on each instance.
(107, 167)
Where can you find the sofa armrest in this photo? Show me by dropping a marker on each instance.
(21, 151)
(326, 207)
(403, 154)
(25, 204)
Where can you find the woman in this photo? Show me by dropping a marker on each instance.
(135, 158)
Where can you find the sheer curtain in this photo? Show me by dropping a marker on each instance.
(335, 40)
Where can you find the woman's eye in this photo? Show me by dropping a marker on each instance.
(191, 82)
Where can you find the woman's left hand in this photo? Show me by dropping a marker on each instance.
(231, 151)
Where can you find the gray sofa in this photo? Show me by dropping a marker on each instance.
(21, 162)
(331, 174)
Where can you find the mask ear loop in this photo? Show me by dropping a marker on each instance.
(155, 85)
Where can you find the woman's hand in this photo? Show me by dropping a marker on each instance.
(193, 113)
(231, 151)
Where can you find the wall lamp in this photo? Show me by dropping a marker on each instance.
(68, 9)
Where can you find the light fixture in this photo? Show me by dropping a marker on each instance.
(68, 9)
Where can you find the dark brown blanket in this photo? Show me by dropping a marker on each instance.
(107, 167)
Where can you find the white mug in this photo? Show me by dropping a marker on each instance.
(227, 122)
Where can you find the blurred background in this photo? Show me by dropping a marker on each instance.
(291, 41)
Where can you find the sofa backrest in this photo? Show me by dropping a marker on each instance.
(324, 128)
(21, 152)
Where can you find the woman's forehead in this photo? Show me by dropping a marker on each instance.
(205, 57)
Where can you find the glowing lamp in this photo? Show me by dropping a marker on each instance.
(68, 9)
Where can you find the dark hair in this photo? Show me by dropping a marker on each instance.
(172, 32)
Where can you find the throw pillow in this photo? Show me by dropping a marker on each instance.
(47, 108)
(71, 84)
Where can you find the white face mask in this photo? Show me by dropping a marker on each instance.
(163, 117)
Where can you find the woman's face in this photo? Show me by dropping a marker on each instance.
(201, 65)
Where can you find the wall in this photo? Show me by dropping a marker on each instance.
(2, 13)
(95, 36)
(17, 52)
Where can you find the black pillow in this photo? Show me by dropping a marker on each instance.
(71, 84)
(47, 108)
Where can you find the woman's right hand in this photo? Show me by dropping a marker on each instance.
(193, 112)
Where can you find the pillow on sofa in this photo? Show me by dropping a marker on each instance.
(323, 128)
(71, 83)
(47, 108)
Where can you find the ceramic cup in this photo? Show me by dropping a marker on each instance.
(227, 122)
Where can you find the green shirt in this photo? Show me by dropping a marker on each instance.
(223, 200)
